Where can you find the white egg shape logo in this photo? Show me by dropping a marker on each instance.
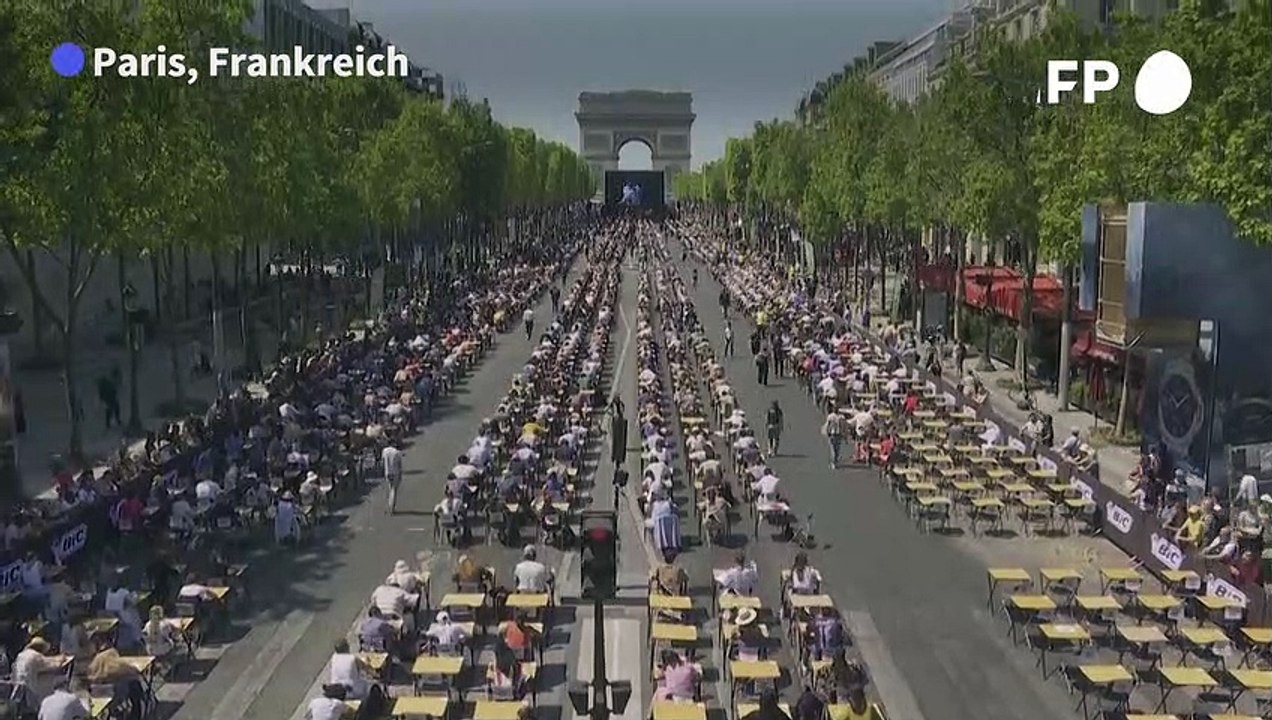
(1163, 84)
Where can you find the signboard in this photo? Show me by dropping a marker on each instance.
(11, 576)
(70, 542)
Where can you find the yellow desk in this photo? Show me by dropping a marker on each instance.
(1204, 636)
(924, 414)
(1016, 488)
(953, 472)
(1037, 603)
(1101, 676)
(471, 601)
(444, 665)
(421, 706)
(997, 576)
(921, 487)
(374, 661)
(811, 602)
(1042, 475)
(670, 602)
(754, 670)
(1172, 678)
(143, 664)
(1096, 603)
(667, 710)
(1183, 579)
(1158, 603)
(673, 632)
(1059, 633)
(99, 625)
(99, 707)
(1142, 634)
(1057, 576)
(1254, 639)
(1128, 577)
(967, 449)
(1253, 679)
(531, 601)
(968, 487)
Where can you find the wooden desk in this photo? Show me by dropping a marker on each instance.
(673, 632)
(443, 665)
(497, 709)
(670, 602)
(534, 601)
(421, 706)
(1097, 602)
(729, 601)
(811, 602)
(754, 670)
(471, 601)
(669, 710)
(1037, 603)
(1171, 678)
(99, 625)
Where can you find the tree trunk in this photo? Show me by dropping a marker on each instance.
(170, 335)
(881, 241)
(37, 313)
(186, 281)
(75, 439)
(154, 286)
(127, 331)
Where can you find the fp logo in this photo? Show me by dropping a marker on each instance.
(1162, 85)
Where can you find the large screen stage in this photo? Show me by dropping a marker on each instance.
(634, 188)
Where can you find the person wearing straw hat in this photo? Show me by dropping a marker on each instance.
(749, 643)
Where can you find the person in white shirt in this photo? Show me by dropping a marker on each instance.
(347, 670)
(1223, 548)
(531, 575)
(446, 632)
(465, 470)
(393, 601)
(330, 706)
(65, 702)
(392, 459)
(766, 486)
(33, 669)
(181, 515)
(195, 590)
(207, 491)
(1069, 448)
(741, 579)
(119, 603)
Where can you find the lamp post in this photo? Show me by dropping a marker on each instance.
(986, 281)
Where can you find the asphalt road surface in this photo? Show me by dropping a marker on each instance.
(914, 602)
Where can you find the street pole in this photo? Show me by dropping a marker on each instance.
(1066, 340)
(600, 702)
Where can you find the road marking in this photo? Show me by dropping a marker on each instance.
(893, 689)
(625, 655)
(261, 670)
(622, 357)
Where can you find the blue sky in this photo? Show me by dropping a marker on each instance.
(743, 60)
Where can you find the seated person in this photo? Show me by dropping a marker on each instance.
(375, 634)
(194, 591)
(740, 579)
(405, 578)
(160, 636)
(34, 670)
(517, 634)
(66, 702)
(330, 705)
(678, 679)
(826, 634)
(530, 575)
(842, 677)
(805, 580)
(749, 642)
(395, 602)
(445, 633)
(470, 575)
(506, 670)
(109, 668)
(348, 670)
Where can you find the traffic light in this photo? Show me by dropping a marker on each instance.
(599, 554)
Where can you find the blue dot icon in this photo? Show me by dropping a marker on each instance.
(67, 59)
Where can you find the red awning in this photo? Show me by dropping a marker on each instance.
(1088, 346)
(1005, 290)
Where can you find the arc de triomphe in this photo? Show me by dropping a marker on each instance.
(660, 120)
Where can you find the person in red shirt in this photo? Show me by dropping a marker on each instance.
(911, 403)
(1246, 570)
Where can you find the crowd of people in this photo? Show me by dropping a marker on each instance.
(179, 508)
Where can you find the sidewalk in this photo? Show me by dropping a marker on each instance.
(1116, 462)
(44, 398)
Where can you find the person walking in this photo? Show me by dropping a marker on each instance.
(695, 278)
(527, 318)
(108, 393)
(555, 293)
(757, 343)
(728, 338)
(761, 368)
(833, 429)
(775, 423)
(392, 459)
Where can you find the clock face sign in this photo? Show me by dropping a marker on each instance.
(1180, 408)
